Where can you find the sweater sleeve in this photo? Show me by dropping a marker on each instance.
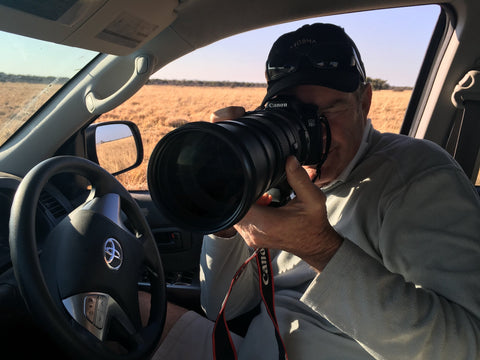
(220, 259)
(422, 300)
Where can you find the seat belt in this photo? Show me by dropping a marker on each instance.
(466, 96)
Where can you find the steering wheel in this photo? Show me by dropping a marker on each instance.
(83, 286)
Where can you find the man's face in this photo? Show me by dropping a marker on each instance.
(347, 116)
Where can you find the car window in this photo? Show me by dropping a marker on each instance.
(30, 74)
(231, 72)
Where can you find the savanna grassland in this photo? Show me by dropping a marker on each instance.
(18, 101)
(158, 109)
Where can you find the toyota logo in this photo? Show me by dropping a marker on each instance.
(113, 254)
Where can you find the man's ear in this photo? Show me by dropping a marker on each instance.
(366, 99)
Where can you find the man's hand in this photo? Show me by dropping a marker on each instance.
(228, 113)
(301, 227)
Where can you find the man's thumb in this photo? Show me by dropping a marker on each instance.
(300, 182)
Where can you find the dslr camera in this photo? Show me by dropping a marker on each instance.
(205, 176)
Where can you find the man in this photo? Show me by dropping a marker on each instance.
(378, 258)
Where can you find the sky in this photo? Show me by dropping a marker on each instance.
(392, 44)
(25, 56)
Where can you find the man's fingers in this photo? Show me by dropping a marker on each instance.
(228, 113)
(264, 200)
(301, 183)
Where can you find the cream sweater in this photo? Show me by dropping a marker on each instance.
(404, 285)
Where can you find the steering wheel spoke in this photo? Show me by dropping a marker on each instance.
(94, 311)
(108, 205)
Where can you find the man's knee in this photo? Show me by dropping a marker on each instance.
(174, 312)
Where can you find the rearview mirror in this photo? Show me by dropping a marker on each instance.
(116, 146)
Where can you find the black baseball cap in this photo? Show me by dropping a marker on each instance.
(317, 54)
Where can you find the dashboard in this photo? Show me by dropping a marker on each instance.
(52, 208)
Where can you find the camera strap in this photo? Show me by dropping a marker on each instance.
(223, 347)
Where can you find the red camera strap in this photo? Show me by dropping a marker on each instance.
(223, 347)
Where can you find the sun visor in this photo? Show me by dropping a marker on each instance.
(116, 27)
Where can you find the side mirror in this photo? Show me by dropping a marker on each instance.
(116, 145)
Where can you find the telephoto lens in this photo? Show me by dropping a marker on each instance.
(205, 176)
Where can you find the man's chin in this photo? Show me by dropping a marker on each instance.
(325, 175)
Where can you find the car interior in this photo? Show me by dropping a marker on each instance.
(50, 191)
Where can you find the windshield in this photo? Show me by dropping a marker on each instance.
(31, 72)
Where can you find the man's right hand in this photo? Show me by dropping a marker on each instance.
(228, 113)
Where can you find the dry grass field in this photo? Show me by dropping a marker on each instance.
(18, 101)
(107, 154)
(158, 109)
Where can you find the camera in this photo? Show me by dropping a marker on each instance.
(205, 176)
